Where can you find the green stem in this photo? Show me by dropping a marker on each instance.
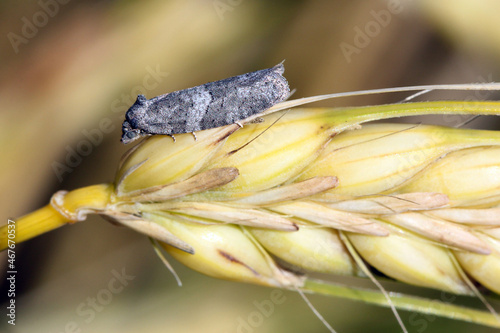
(346, 117)
(403, 302)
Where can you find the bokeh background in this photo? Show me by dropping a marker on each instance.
(69, 70)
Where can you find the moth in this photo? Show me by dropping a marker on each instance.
(210, 105)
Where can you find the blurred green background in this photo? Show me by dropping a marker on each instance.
(70, 69)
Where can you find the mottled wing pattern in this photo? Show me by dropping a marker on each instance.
(207, 106)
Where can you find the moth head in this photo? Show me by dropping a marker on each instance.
(129, 134)
(134, 117)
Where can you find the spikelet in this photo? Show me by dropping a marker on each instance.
(267, 204)
(291, 190)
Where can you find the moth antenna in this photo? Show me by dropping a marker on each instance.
(264, 131)
(314, 310)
